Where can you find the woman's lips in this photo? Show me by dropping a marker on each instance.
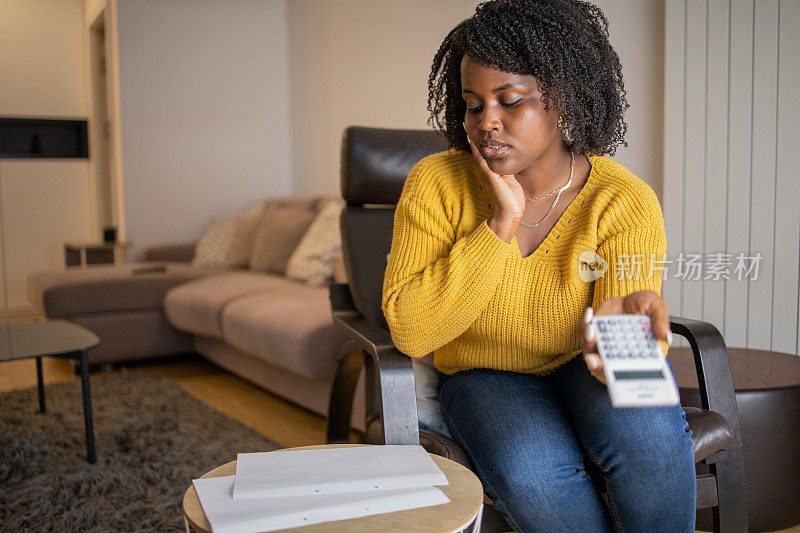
(494, 151)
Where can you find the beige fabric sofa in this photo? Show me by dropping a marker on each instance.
(122, 307)
(271, 330)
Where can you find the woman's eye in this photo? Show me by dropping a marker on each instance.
(478, 108)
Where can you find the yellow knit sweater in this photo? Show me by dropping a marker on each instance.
(454, 288)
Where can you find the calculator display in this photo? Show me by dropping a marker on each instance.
(638, 374)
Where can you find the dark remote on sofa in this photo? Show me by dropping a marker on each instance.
(150, 269)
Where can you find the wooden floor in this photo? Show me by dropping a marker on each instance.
(277, 419)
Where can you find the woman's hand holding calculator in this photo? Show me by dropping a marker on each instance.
(622, 349)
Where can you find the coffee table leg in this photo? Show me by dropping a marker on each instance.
(478, 521)
(40, 382)
(474, 526)
(87, 407)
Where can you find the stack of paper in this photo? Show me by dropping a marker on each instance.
(283, 489)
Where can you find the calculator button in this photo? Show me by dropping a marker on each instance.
(601, 326)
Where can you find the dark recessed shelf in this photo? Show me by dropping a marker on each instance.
(38, 137)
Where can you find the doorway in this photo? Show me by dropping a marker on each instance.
(99, 124)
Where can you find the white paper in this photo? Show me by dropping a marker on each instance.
(269, 514)
(333, 471)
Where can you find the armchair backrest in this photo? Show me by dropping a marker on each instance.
(375, 165)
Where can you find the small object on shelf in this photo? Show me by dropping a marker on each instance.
(110, 234)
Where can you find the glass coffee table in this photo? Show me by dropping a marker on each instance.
(53, 338)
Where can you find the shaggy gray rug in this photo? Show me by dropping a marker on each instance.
(152, 440)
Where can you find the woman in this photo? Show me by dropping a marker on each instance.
(484, 271)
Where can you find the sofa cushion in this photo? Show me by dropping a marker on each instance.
(315, 257)
(226, 242)
(196, 307)
(103, 288)
(289, 325)
(277, 236)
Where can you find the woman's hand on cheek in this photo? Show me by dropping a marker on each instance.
(506, 197)
(644, 302)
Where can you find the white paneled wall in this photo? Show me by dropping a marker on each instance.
(43, 204)
(731, 120)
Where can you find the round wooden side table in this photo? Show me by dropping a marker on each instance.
(465, 508)
(767, 386)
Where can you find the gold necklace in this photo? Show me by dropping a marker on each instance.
(557, 192)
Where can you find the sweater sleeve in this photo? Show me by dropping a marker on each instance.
(634, 258)
(436, 284)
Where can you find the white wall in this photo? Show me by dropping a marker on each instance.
(226, 102)
(43, 202)
(637, 34)
(359, 62)
(41, 59)
(205, 114)
(365, 62)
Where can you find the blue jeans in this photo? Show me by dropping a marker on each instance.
(529, 436)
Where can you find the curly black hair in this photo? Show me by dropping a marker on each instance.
(563, 43)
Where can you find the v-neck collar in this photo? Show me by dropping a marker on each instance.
(565, 217)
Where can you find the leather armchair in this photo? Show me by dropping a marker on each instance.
(375, 164)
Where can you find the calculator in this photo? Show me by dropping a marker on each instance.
(636, 371)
